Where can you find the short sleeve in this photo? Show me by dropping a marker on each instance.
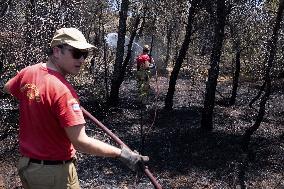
(14, 85)
(68, 110)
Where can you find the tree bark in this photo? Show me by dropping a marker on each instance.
(169, 42)
(262, 88)
(2, 60)
(129, 48)
(209, 101)
(236, 77)
(181, 56)
(115, 82)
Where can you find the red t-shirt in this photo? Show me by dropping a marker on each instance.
(48, 103)
(141, 59)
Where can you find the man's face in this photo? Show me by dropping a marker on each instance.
(70, 59)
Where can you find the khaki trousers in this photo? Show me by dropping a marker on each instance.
(143, 77)
(39, 176)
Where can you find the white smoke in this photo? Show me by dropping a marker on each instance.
(111, 40)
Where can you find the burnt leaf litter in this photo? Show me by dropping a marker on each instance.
(181, 156)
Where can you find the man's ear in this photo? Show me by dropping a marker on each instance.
(56, 51)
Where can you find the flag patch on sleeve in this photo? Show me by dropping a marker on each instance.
(75, 107)
(74, 104)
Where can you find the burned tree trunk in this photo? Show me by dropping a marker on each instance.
(115, 82)
(181, 56)
(209, 101)
(236, 77)
(267, 86)
(169, 42)
(129, 48)
(2, 60)
(262, 88)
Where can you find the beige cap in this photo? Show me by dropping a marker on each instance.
(72, 37)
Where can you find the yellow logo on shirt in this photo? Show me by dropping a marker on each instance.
(32, 92)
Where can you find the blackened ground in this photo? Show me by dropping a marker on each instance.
(181, 156)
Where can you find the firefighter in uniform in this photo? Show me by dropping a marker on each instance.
(144, 63)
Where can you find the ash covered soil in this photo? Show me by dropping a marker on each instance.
(181, 156)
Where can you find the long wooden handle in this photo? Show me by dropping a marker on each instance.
(121, 143)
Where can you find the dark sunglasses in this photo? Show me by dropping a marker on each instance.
(76, 53)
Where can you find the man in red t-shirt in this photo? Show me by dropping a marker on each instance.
(144, 64)
(52, 125)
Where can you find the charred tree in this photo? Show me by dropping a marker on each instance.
(170, 29)
(237, 48)
(116, 77)
(106, 68)
(262, 88)
(129, 48)
(267, 83)
(213, 73)
(181, 55)
(236, 76)
(2, 60)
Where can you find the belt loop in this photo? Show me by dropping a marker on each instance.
(42, 162)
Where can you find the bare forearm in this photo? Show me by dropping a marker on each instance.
(86, 144)
(83, 143)
(98, 148)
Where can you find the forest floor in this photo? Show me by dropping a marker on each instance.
(181, 155)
